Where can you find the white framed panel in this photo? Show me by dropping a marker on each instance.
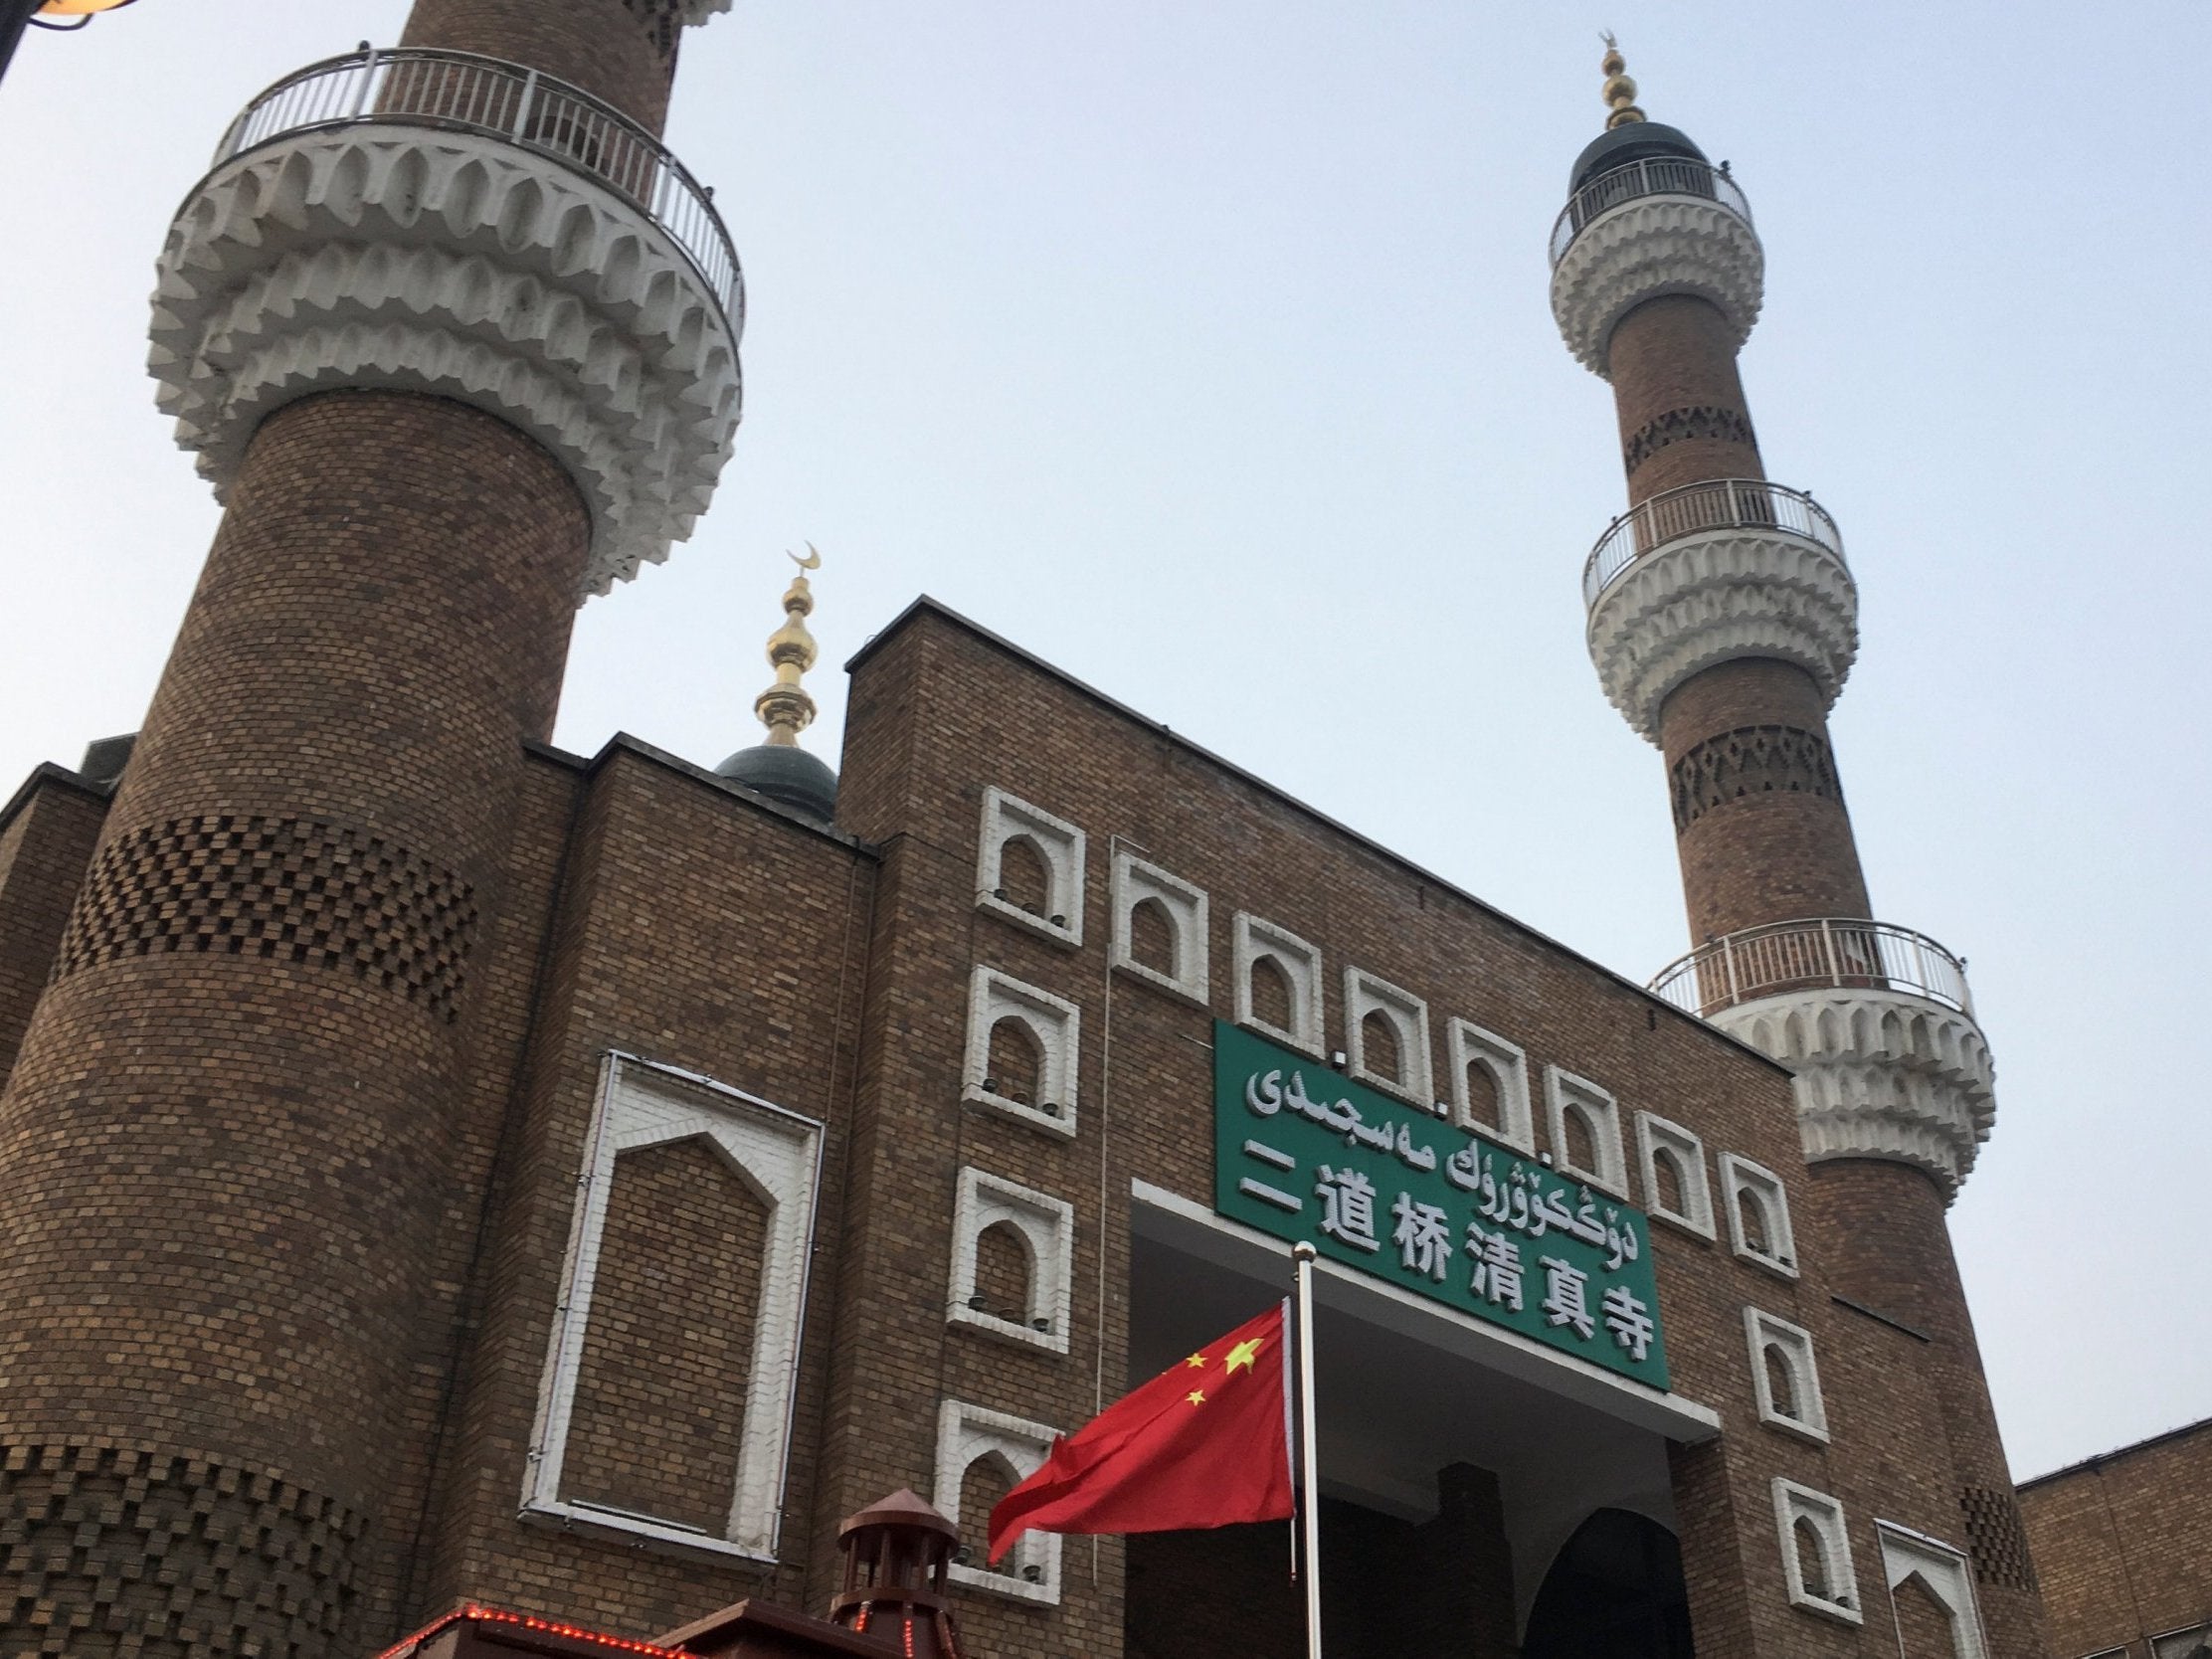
(1468, 1046)
(1757, 1205)
(1053, 1024)
(1566, 1093)
(1368, 996)
(1058, 844)
(1949, 1579)
(1658, 1139)
(1836, 1597)
(1775, 1341)
(1137, 882)
(1046, 1227)
(1300, 966)
(777, 1153)
(1030, 1570)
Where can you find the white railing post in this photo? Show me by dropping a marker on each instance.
(1828, 950)
(522, 104)
(368, 79)
(1728, 958)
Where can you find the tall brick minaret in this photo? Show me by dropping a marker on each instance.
(1723, 619)
(455, 340)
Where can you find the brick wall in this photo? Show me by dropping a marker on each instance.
(1683, 416)
(45, 842)
(2123, 1544)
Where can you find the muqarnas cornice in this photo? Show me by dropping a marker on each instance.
(1648, 246)
(1714, 597)
(1880, 1074)
(398, 257)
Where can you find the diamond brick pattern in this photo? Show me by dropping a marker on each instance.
(118, 1552)
(1708, 421)
(1996, 1538)
(1752, 760)
(277, 888)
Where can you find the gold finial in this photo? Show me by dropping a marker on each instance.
(785, 708)
(1619, 92)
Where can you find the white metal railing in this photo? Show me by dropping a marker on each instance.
(1716, 504)
(1834, 951)
(472, 94)
(1661, 175)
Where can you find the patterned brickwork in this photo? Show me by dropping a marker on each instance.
(1752, 760)
(1753, 852)
(1999, 1542)
(1676, 426)
(115, 1551)
(283, 890)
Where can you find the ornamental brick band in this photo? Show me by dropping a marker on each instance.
(122, 1550)
(1706, 421)
(282, 889)
(1752, 760)
(1996, 1538)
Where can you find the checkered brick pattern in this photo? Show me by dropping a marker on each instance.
(1996, 1539)
(277, 888)
(118, 1552)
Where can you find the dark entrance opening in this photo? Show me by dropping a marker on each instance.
(1616, 1592)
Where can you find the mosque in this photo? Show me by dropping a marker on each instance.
(584, 1204)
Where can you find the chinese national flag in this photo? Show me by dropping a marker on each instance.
(1206, 1443)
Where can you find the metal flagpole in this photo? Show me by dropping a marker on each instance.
(1309, 1452)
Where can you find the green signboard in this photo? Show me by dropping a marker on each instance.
(1303, 1153)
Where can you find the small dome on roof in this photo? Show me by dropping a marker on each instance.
(791, 775)
(1631, 141)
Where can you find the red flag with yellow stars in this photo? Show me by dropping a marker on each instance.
(1206, 1443)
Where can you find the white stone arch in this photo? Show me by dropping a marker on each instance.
(777, 1155)
(1944, 1569)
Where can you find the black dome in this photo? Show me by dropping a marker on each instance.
(791, 775)
(1630, 142)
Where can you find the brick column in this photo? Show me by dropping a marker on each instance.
(621, 51)
(1885, 1245)
(224, 1151)
(1759, 814)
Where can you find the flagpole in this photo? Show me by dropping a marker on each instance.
(1309, 1446)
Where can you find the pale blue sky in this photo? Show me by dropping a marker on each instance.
(1205, 350)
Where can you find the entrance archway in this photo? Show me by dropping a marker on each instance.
(1614, 1591)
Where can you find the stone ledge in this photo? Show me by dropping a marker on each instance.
(1648, 246)
(408, 259)
(1879, 1074)
(1714, 597)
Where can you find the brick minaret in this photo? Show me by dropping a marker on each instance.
(456, 341)
(1723, 619)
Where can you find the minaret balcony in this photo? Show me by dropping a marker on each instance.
(459, 92)
(1875, 1021)
(449, 224)
(1712, 572)
(1664, 175)
(1656, 225)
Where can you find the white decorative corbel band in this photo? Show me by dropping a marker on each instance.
(697, 12)
(1879, 1074)
(1714, 597)
(400, 258)
(1647, 246)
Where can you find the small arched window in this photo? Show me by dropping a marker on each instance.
(1024, 878)
(1004, 1274)
(1270, 994)
(1016, 1063)
(1379, 1051)
(1152, 937)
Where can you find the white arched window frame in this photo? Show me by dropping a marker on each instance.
(1030, 1570)
(1364, 996)
(1047, 1229)
(1947, 1574)
(777, 1153)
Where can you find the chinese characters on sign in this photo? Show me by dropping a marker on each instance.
(1303, 1153)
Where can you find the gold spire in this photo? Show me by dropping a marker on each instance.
(784, 708)
(1621, 92)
